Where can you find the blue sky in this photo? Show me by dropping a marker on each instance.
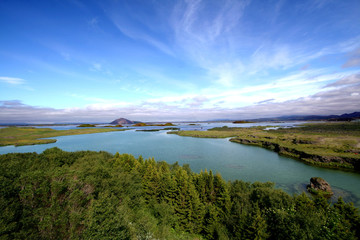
(76, 61)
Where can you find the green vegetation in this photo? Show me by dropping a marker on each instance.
(242, 121)
(87, 125)
(156, 125)
(96, 195)
(20, 136)
(140, 125)
(333, 145)
(157, 130)
(119, 125)
(171, 128)
(149, 130)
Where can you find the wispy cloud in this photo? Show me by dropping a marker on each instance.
(66, 55)
(96, 67)
(124, 19)
(93, 23)
(353, 79)
(353, 60)
(205, 36)
(12, 80)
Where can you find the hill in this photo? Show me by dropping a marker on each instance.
(121, 121)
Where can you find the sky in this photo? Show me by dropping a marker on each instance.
(185, 60)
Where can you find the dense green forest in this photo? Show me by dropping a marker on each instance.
(97, 195)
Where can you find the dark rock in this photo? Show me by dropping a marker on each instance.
(301, 141)
(269, 137)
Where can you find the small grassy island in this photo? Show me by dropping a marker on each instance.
(333, 145)
(243, 121)
(20, 136)
(86, 125)
(141, 124)
(119, 125)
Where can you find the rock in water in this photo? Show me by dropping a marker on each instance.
(319, 186)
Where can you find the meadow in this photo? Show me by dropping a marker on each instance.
(20, 136)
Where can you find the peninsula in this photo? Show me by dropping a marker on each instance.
(332, 145)
(20, 136)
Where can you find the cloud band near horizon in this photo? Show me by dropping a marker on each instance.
(342, 96)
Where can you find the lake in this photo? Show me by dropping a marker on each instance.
(231, 160)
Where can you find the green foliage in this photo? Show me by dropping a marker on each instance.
(86, 125)
(140, 125)
(96, 195)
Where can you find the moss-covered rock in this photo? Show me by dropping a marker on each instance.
(319, 186)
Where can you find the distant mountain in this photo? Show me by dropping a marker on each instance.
(343, 117)
(121, 121)
(351, 115)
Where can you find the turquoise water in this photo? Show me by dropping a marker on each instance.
(231, 160)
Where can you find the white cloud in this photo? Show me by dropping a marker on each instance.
(343, 99)
(12, 80)
(96, 67)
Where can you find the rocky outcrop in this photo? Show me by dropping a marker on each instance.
(319, 186)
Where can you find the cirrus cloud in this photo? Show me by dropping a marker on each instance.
(12, 80)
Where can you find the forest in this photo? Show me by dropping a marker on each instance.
(98, 195)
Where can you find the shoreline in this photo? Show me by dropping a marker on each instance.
(329, 145)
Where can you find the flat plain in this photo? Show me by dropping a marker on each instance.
(20, 136)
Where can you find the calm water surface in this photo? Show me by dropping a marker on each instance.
(231, 160)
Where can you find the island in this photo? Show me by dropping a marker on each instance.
(242, 121)
(152, 125)
(86, 125)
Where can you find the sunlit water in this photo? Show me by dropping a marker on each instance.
(231, 160)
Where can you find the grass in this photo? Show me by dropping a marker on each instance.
(20, 136)
(333, 145)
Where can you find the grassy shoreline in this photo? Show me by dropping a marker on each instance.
(331, 145)
(20, 136)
